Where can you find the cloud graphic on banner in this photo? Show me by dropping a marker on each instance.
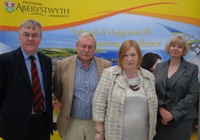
(4, 48)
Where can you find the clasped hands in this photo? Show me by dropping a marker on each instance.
(166, 116)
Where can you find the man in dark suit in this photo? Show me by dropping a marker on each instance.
(26, 109)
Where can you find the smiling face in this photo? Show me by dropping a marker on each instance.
(30, 39)
(177, 46)
(130, 59)
(176, 50)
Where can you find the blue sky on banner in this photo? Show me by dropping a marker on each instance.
(66, 38)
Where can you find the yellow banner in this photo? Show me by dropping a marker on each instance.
(66, 13)
(150, 22)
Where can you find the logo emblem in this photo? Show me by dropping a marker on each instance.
(9, 6)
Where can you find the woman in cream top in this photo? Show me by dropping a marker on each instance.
(125, 102)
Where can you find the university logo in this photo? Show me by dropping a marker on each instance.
(9, 6)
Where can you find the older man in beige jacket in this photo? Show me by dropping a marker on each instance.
(74, 83)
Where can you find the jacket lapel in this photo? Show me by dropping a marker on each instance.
(100, 66)
(71, 72)
(164, 73)
(20, 62)
(120, 81)
(179, 72)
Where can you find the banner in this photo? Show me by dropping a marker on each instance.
(150, 22)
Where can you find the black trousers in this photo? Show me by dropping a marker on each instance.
(180, 130)
(38, 128)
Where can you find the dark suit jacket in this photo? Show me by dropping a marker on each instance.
(16, 94)
(183, 92)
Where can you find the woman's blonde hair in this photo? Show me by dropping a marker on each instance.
(180, 41)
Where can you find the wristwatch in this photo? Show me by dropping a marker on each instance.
(100, 132)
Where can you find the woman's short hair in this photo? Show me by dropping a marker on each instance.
(124, 47)
(180, 41)
(149, 59)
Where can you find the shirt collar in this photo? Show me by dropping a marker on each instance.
(26, 56)
(80, 64)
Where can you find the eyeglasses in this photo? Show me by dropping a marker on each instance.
(27, 36)
(84, 47)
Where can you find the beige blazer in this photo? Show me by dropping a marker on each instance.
(109, 98)
(63, 86)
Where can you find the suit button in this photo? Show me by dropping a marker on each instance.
(167, 89)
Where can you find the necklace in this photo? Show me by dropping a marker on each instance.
(174, 67)
(134, 88)
(133, 83)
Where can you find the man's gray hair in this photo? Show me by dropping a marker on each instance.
(31, 24)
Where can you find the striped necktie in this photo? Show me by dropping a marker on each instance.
(38, 98)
